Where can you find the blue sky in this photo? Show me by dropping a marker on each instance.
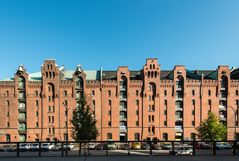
(201, 34)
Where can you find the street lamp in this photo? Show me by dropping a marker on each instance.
(235, 122)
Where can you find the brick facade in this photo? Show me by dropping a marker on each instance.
(128, 105)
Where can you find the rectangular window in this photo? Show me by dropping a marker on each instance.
(36, 113)
(193, 102)
(153, 108)
(152, 118)
(149, 118)
(209, 92)
(137, 102)
(109, 102)
(93, 93)
(193, 92)
(165, 93)
(8, 124)
(49, 98)
(109, 123)
(165, 102)
(52, 119)
(137, 112)
(109, 92)
(165, 112)
(193, 112)
(137, 123)
(65, 93)
(37, 103)
(165, 123)
(53, 130)
(8, 138)
(193, 123)
(209, 102)
(37, 125)
(137, 93)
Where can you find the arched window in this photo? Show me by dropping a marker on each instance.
(179, 82)
(165, 136)
(21, 82)
(79, 82)
(109, 136)
(123, 83)
(155, 74)
(193, 136)
(150, 66)
(136, 136)
(148, 74)
(152, 74)
(223, 82)
(178, 123)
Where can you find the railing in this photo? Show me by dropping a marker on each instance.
(117, 148)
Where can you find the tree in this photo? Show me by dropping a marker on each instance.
(211, 129)
(84, 124)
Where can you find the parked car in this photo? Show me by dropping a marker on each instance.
(167, 146)
(223, 145)
(24, 146)
(8, 148)
(124, 146)
(136, 145)
(91, 145)
(182, 150)
(111, 145)
(68, 146)
(56, 147)
(34, 147)
(101, 146)
(46, 146)
(145, 146)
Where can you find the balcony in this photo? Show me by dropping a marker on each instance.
(21, 86)
(21, 109)
(178, 118)
(22, 119)
(123, 118)
(22, 98)
(22, 131)
(222, 108)
(123, 128)
(222, 118)
(179, 87)
(179, 108)
(123, 88)
(123, 109)
(178, 128)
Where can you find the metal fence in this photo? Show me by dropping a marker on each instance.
(118, 148)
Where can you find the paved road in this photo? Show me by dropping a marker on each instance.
(127, 158)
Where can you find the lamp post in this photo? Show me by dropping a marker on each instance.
(235, 116)
(66, 110)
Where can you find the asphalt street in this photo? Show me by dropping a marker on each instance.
(127, 158)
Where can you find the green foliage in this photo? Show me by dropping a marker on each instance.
(211, 129)
(84, 124)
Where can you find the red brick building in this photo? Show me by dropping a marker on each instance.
(128, 105)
